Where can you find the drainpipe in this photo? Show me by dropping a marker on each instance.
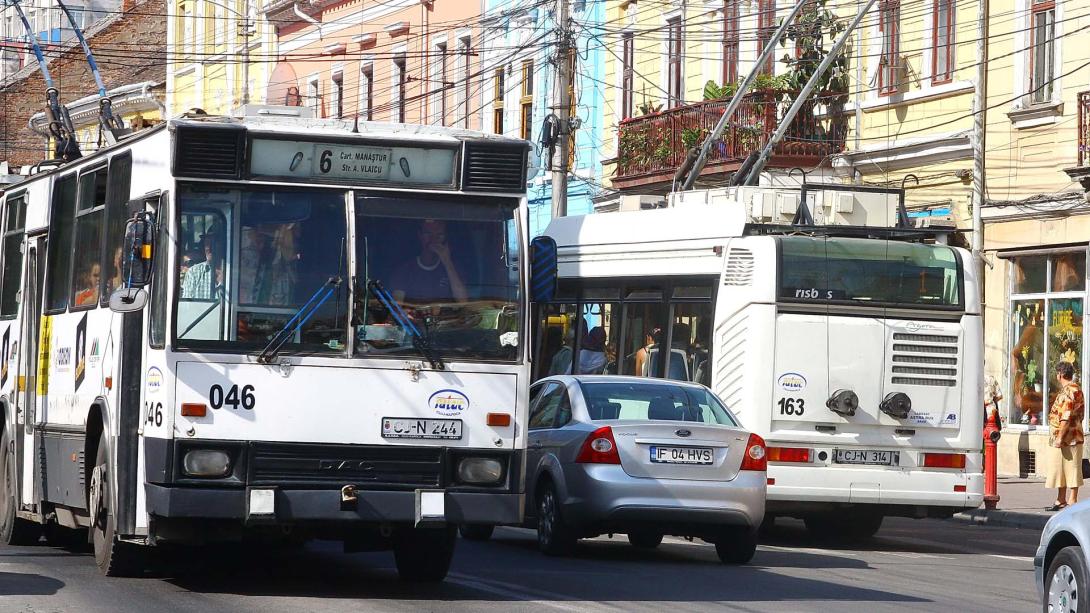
(307, 18)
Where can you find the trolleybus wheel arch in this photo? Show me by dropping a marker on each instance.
(13, 529)
(113, 557)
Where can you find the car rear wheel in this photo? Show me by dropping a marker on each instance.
(1066, 582)
(424, 554)
(13, 529)
(857, 526)
(554, 537)
(736, 545)
(476, 532)
(645, 540)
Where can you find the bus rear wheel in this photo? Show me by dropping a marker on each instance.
(13, 529)
(424, 554)
(114, 557)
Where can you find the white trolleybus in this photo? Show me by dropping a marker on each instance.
(229, 327)
(854, 351)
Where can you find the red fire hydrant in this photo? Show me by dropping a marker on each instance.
(991, 437)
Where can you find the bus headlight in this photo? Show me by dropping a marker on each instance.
(844, 402)
(896, 404)
(206, 463)
(480, 471)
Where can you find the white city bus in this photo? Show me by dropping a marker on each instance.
(330, 347)
(858, 359)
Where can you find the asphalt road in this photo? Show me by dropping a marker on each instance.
(926, 565)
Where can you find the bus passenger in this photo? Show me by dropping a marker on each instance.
(204, 278)
(650, 339)
(431, 276)
(560, 364)
(89, 279)
(592, 353)
(115, 280)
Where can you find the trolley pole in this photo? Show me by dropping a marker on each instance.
(563, 84)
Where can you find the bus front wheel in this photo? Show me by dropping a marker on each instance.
(114, 557)
(13, 529)
(424, 554)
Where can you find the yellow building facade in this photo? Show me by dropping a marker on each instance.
(209, 42)
(1036, 226)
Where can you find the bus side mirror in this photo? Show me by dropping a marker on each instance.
(137, 253)
(128, 299)
(543, 270)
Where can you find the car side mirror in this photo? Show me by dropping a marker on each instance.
(543, 269)
(128, 299)
(136, 257)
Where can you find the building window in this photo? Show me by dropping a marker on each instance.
(730, 41)
(497, 102)
(889, 26)
(314, 97)
(399, 89)
(674, 52)
(766, 27)
(526, 100)
(441, 83)
(337, 107)
(628, 52)
(367, 92)
(942, 42)
(1043, 35)
(1046, 313)
(466, 57)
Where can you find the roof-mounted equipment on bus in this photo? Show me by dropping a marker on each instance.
(65, 145)
(112, 126)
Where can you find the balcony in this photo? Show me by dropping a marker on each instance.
(652, 147)
(1081, 173)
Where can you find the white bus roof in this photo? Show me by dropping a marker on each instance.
(650, 226)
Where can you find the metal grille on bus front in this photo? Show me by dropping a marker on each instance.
(213, 152)
(490, 168)
(925, 359)
(739, 269)
(320, 464)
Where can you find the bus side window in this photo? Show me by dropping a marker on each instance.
(117, 214)
(91, 204)
(61, 218)
(14, 222)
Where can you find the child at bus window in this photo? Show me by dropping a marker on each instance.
(89, 279)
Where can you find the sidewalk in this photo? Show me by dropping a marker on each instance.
(1022, 504)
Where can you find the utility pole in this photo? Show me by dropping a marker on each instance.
(563, 84)
(245, 27)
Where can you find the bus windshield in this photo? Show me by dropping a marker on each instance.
(249, 259)
(443, 269)
(868, 271)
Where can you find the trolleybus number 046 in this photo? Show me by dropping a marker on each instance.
(233, 397)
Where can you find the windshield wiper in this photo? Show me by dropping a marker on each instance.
(305, 312)
(421, 340)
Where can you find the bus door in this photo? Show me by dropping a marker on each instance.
(35, 358)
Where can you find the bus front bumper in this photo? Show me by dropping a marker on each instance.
(299, 505)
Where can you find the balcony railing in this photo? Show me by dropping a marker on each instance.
(1084, 128)
(651, 148)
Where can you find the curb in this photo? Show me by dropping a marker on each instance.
(1004, 519)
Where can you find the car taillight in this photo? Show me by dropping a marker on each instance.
(599, 448)
(788, 454)
(944, 460)
(755, 457)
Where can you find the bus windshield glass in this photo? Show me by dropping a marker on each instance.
(868, 271)
(442, 269)
(250, 259)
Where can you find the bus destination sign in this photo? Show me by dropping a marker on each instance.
(343, 163)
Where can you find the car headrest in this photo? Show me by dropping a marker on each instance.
(604, 409)
(663, 408)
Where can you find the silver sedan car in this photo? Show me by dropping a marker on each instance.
(1060, 566)
(639, 456)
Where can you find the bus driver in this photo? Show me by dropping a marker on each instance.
(431, 276)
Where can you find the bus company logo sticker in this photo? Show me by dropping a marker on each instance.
(81, 350)
(449, 402)
(155, 380)
(96, 352)
(916, 326)
(791, 382)
(64, 359)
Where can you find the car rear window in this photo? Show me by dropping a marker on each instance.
(653, 401)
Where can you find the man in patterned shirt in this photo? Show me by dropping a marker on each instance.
(1065, 438)
(202, 279)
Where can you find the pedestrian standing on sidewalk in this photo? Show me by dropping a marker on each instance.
(1065, 438)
